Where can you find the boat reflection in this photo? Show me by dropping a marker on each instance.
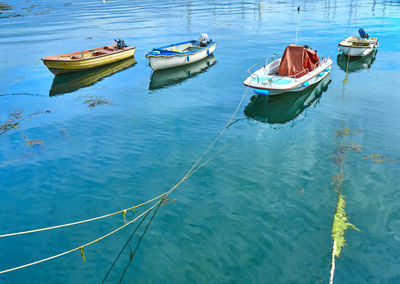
(67, 83)
(167, 77)
(284, 108)
(356, 64)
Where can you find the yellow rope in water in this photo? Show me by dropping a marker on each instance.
(162, 196)
(188, 174)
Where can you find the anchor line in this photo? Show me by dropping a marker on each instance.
(341, 173)
(192, 170)
(20, 78)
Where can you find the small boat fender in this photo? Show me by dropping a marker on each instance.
(261, 92)
(305, 84)
(321, 74)
(327, 69)
(187, 58)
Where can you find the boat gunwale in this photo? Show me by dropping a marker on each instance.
(348, 42)
(357, 46)
(295, 86)
(149, 55)
(127, 48)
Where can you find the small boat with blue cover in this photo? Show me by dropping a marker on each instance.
(299, 68)
(182, 53)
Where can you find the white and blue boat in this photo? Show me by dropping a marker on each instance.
(299, 68)
(180, 54)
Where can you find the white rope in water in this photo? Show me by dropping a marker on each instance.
(334, 246)
(82, 246)
(333, 263)
(82, 221)
(192, 170)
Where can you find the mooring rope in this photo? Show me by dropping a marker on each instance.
(20, 78)
(132, 255)
(192, 170)
(80, 248)
(341, 173)
(83, 221)
(124, 246)
(124, 211)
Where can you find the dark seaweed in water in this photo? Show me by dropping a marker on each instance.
(92, 102)
(377, 159)
(6, 7)
(346, 132)
(14, 119)
(31, 9)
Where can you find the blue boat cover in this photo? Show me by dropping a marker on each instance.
(363, 34)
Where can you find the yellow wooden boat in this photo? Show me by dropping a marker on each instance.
(67, 83)
(87, 59)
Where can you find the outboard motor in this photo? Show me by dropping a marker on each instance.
(203, 39)
(363, 34)
(120, 43)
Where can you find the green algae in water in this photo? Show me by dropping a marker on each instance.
(340, 225)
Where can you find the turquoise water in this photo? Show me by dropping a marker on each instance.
(261, 210)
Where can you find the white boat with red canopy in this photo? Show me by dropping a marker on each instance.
(299, 68)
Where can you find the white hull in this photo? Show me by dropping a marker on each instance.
(356, 51)
(158, 63)
(266, 78)
(354, 46)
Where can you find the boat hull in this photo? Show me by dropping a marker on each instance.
(354, 46)
(283, 109)
(353, 51)
(61, 66)
(264, 82)
(67, 83)
(165, 62)
(168, 77)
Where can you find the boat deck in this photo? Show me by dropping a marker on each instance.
(273, 80)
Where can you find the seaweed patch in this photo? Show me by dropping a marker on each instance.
(346, 132)
(377, 159)
(93, 102)
(15, 118)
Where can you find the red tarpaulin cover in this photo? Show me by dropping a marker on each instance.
(296, 59)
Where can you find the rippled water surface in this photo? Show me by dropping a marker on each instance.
(260, 211)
